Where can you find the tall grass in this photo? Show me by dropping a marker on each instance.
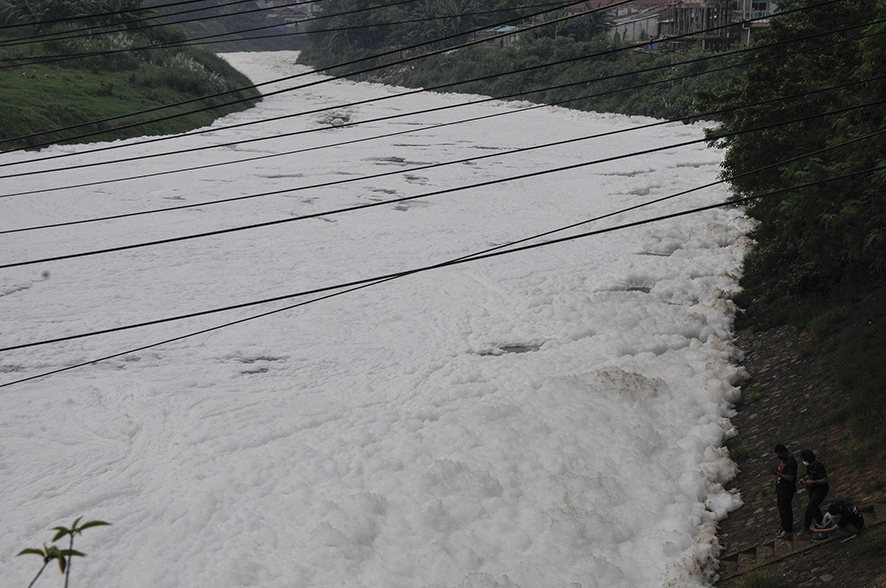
(39, 98)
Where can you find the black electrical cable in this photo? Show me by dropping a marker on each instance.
(206, 40)
(526, 239)
(140, 23)
(364, 283)
(628, 73)
(488, 99)
(701, 116)
(38, 23)
(295, 76)
(315, 111)
(79, 34)
(364, 139)
(17, 62)
(341, 106)
(747, 199)
(395, 51)
(219, 232)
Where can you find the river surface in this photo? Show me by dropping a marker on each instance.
(545, 418)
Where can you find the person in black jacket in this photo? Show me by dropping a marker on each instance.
(816, 482)
(785, 487)
(843, 517)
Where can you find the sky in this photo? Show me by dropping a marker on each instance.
(550, 417)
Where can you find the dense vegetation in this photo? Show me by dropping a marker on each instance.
(813, 241)
(820, 254)
(856, 364)
(593, 72)
(433, 24)
(824, 239)
(821, 248)
(69, 78)
(226, 26)
(591, 75)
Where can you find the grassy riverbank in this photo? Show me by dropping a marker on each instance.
(106, 97)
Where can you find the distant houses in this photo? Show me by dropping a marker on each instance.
(502, 36)
(287, 15)
(641, 21)
(715, 23)
(755, 15)
(710, 23)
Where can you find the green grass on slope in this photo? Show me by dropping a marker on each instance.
(40, 98)
(849, 341)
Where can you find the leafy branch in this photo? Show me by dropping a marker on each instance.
(62, 555)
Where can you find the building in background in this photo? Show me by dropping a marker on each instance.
(714, 24)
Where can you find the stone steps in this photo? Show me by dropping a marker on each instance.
(740, 562)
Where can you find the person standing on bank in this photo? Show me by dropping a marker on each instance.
(785, 488)
(816, 482)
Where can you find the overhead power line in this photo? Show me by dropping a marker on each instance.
(425, 195)
(701, 115)
(217, 38)
(393, 96)
(348, 287)
(68, 19)
(659, 200)
(79, 34)
(366, 70)
(472, 257)
(406, 114)
(295, 76)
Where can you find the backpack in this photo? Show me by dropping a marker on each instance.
(852, 514)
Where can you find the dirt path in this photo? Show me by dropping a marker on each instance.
(781, 404)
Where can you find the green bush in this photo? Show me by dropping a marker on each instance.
(37, 99)
(823, 236)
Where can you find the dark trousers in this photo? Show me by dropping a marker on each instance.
(785, 495)
(813, 511)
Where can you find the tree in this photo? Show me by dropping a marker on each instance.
(105, 12)
(831, 235)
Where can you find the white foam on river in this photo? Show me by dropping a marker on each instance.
(544, 419)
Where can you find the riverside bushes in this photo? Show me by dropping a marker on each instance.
(822, 213)
(72, 79)
(588, 75)
(592, 71)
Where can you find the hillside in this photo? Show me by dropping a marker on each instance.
(90, 88)
(797, 395)
(574, 64)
